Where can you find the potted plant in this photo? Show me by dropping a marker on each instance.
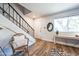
(57, 32)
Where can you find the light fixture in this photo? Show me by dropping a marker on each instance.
(34, 16)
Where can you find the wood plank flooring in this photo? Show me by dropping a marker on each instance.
(43, 48)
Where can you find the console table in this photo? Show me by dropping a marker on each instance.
(70, 41)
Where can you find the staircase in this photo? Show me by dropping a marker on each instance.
(9, 12)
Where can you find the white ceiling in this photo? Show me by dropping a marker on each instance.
(41, 9)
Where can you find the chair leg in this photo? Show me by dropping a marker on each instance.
(26, 51)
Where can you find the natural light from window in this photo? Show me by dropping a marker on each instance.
(67, 24)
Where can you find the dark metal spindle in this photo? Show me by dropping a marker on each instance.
(3, 8)
(13, 16)
(19, 22)
(9, 12)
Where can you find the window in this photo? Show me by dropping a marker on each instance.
(60, 24)
(73, 24)
(67, 24)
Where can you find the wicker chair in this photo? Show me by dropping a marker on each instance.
(19, 44)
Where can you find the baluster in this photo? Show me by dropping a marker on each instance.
(13, 16)
(16, 20)
(19, 22)
(9, 12)
(3, 8)
(22, 23)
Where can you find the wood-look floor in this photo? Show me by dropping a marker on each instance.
(43, 48)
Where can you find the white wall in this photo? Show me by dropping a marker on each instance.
(41, 24)
(41, 29)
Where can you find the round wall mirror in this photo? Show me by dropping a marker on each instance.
(49, 26)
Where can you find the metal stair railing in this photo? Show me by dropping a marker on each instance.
(8, 11)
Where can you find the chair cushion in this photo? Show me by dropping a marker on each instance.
(19, 41)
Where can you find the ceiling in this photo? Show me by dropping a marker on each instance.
(42, 9)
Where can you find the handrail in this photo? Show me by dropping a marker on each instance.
(21, 23)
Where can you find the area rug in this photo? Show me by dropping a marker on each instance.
(57, 52)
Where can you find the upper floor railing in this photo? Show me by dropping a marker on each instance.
(8, 11)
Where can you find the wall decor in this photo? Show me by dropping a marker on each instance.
(50, 26)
